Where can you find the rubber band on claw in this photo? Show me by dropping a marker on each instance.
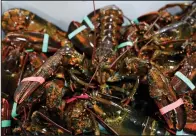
(41, 80)
(180, 133)
(45, 43)
(185, 80)
(14, 114)
(126, 23)
(136, 21)
(75, 32)
(171, 106)
(29, 50)
(124, 44)
(5, 123)
(89, 23)
(82, 96)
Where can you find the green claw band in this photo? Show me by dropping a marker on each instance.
(126, 23)
(185, 80)
(89, 23)
(45, 43)
(180, 133)
(75, 32)
(136, 21)
(5, 123)
(29, 50)
(14, 114)
(128, 43)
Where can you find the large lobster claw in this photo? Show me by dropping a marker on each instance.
(25, 89)
(163, 94)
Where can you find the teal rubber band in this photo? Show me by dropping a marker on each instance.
(127, 23)
(89, 23)
(14, 114)
(5, 123)
(136, 21)
(185, 79)
(75, 32)
(45, 43)
(102, 129)
(181, 133)
(128, 43)
(29, 50)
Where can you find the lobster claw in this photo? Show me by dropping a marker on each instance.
(49, 68)
(24, 90)
(81, 41)
(163, 94)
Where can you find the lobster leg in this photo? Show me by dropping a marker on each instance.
(52, 122)
(131, 95)
(103, 123)
(97, 131)
(75, 78)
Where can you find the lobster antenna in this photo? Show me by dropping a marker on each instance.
(176, 41)
(153, 23)
(122, 54)
(127, 18)
(97, 68)
(94, 36)
(118, 58)
(93, 55)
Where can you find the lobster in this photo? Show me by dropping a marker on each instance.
(170, 13)
(16, 20)
(96, 63)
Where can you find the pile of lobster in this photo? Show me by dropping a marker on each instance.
(108, 75)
